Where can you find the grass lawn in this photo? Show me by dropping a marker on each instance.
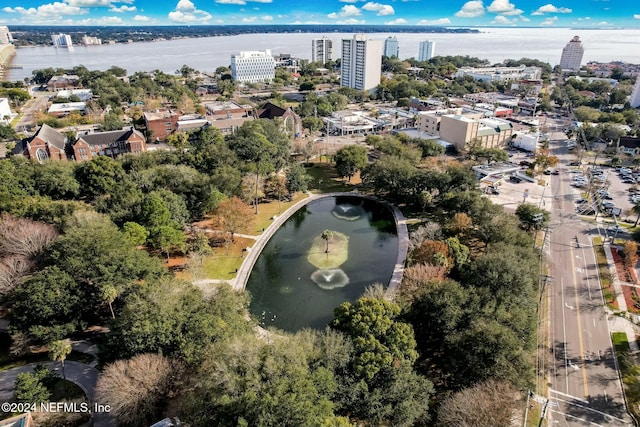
(222, 264)
(336, 256)
(620, 341)
(266, 211)
(325, 179)
(605, 275)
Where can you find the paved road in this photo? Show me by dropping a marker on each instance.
(84, 376)
(584, 385)
(27, 121)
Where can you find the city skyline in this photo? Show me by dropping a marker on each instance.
(458, 13)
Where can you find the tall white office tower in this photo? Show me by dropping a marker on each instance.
(361, 62)
(427, 50)
(253, 66)
(572, 55)
(391, 47)
(321, 50)
(61, 40)
(5, 35)
(635, 95)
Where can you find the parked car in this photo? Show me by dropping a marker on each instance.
(555, 172)
(515, 179)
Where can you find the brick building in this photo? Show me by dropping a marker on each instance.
(46, 144)
(161, 123)
(109, 144)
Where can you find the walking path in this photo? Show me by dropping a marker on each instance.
(82, 375)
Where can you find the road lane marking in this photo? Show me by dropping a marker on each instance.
(604, 414)
(588, 283)
(575, 418)
(579, 399)
(584, 370)
(570, 307)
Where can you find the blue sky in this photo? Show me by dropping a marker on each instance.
(536, 13)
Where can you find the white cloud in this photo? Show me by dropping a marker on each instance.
(89, 3)
(141, 18)
(603, 23)
(503, 20)
(586, 18)
(549, 8)
(123, 9)
(240, 2)
(346, 11)
(636, 16)
(399, 21)
(549, 21)
(308, 23)
(267, 18)
(49, 10)
(348, 1)
(351, 21)
(249, 20)
(186, 12)
(441, 21)
(382, 9)
(524, 18)
(503, 7)
(106, 20)
(262, 1)
(471, 9)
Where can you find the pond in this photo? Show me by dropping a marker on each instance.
(295, 283)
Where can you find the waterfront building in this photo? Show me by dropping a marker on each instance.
(571, 58)
(88, 41)
(253, 66)
(61, 40)
(500, 74)
(321, 50)
(426, 50)
(361, 63)
(635, 95)
(391, 47)
(5, 35)
(5, 111)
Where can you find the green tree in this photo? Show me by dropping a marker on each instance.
(173, 318)
(531, 216)
(33, 387)
(327, 235)
(350, 159)
(312, 123)
(379, 338)
(112, 121)
(135, 233)
(297, 179)
(109, 294)
(58, 352)
(169, 239)
(234, 215)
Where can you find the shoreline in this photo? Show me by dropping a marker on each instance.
(7, 53)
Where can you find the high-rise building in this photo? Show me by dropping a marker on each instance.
(61, 40)
(5, 35)
(635, 95)
(321, 50)
(572, 55)
(427, 50)
(88, 40)
(391, 48)
(253, 66)
(361, 62)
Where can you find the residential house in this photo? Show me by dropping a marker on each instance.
(629, 145)
(112, 144)
(65, 81)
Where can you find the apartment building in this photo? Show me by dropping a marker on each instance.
(253, 66)
(321, 50)
(5, 35)
(89, 41)
(361, 63)
(391, 47)
(61, 40)
(494, 74)
(426, 50)
(635, 95)
(572, 53)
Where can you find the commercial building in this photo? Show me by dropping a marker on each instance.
(321, 50)
(66, 108)
(500, 74)
(5, 35)
(160, 123)
(88, 41)
(5, 111)
(361, 63)
(571, 58)
(61, 40)
(391, 47)
(462, 128)
(253, 66)
(635, 95)
(426, 50)
(112, 144)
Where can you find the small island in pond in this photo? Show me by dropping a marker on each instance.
(329, 250)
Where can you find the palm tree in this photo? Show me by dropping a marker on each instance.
(636, 210)
(109, 294)
(58, 351)
(327, 235)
